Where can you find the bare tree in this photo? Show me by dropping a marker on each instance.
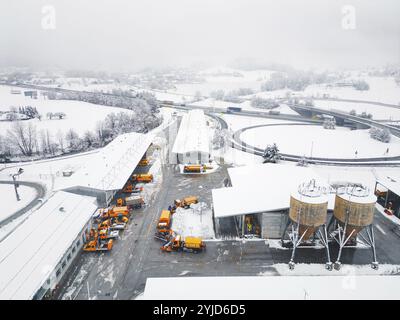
(60, 140)
(23, 136)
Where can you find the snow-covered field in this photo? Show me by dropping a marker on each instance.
(80, 116)
(10, 204)
(378, 112)
(314, 140)
(381, 89)
(216, 80)
(196, 221)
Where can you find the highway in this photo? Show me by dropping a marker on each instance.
(355, 119)
(240, 145)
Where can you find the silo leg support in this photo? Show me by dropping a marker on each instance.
(284, 231)
(296, 242)
(323, 236)
(293, 237)
(371, 238)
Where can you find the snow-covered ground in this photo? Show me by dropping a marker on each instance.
(49, 172)
(80, 116)
(195, 221)
(10, 204)
(381, 89)
(314, 140)
(270, 287)
(236, 157)
(378, 112)
(239, 122)
(226, 79)
(313, 269)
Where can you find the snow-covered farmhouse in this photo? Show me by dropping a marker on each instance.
(192, 145)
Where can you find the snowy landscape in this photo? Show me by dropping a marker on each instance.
(146, 154)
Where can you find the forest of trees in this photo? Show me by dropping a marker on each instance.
(294, 80)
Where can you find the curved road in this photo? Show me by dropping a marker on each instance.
(238, 144)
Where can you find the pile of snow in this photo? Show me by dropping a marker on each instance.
(195, 221)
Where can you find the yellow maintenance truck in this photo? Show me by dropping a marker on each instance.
(192, 244)
(186, 202)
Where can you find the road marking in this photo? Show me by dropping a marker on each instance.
(380, 228)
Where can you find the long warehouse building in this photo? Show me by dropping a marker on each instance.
(192, 145)
(34, 257)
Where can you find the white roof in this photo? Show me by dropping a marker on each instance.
(33, 250)
(193, 134)
(273, 288)
(263, 188)
(112, 166)
(391, 182)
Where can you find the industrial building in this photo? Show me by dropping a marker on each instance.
(192, 143)
(387, 189)
(261, 194)
(295, 209)
(35, 256)
(111, 168)
(315, 287)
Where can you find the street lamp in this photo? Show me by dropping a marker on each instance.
(16, 185)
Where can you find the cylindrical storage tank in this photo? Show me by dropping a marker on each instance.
(357, 205)
(308, 207)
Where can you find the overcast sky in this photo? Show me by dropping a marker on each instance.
(124, 35)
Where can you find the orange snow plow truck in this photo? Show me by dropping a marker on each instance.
(142, 177)
(164, 223)
(193, 244)
(186, 202)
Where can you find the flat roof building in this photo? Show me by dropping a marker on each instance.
(192, 144)
(261, 193)
(35, 256)
(273, 288)
(108, 172)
